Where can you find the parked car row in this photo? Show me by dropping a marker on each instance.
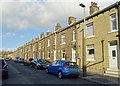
(61, 68)
(19, 60)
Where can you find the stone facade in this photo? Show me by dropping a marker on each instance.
(67, 43)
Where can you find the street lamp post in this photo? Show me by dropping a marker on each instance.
(55, 45)
(83, 45)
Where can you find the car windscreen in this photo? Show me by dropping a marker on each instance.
(30, 59)
(40, 60)
(71, 64)
(46, 62)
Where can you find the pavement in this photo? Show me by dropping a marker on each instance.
(20, 74)
(106, 80)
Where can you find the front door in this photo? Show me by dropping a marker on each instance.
(113, 55)
(73, 55)
(54, 55)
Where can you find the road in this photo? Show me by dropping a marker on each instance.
(20, 74)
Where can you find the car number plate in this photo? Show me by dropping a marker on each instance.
(73, 68)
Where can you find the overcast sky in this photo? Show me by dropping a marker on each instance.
(22, 20)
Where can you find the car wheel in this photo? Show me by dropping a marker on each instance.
(24, 63)
(6, 77)
(47, 71)
(76, 76)
(60, 75)
(36, 67)
(31, 65)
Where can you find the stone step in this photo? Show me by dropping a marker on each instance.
(112, 75)
(115, 70)
(112, 72)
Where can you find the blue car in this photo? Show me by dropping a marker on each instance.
(63, 68)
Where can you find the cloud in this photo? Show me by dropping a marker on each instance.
(22, 36)
(42, 14)
(7, 49)
(10, 34)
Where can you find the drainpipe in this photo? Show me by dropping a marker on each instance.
(118, 10)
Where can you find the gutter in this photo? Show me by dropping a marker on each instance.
(93, 15)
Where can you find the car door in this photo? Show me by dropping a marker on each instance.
(57, 66)
(34, 62)
(51, 66)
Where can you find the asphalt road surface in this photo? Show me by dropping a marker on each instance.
(20, 74)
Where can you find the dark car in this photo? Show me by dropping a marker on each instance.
(42, 64)
(34, 62)
(28, 61)
(3, 68)
(63, 68)
(7, 59)
(16, 60)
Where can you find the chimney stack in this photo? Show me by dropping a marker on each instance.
(57, 27)
(37, 38)
(93, 8)
(71, 20)
(48, 33)
(42, 35)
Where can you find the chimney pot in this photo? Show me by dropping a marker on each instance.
(71, 20)
(57, 27)
(93, 8)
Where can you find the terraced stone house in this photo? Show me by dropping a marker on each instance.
(101, 42)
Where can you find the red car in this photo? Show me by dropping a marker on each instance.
(28, 61)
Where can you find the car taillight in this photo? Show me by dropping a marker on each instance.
(65, 66)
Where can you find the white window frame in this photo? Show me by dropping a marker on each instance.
(63, 39)
(90, 57)
(74, 35)
(48, 42)
(111, 20)
(90, 26)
